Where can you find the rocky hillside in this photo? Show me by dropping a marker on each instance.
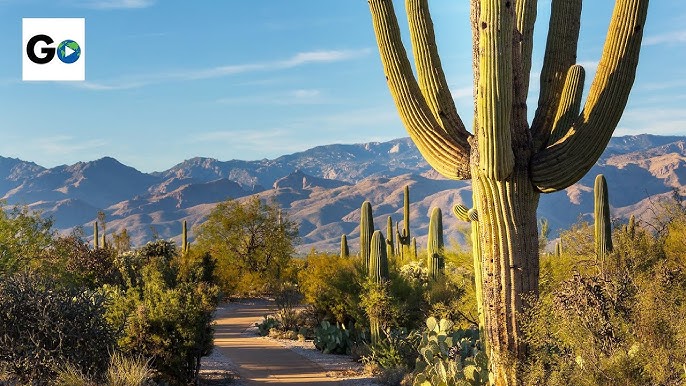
(321, 188)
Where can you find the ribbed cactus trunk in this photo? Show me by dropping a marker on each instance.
(96, 241)
(471, 216)
(366, 230)
(434, 245)
(631, 227)
(345, 252)
(184, 238)
(404, 237)
(378, 273)
(390, 246)
(510, 160)
(602, 222)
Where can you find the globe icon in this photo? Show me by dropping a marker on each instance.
(68, 51)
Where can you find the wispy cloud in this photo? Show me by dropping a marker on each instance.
(115, 4)
(673, 37)
(66, 145)
(293, 97)
(297, 60)
(657, 120)
(462, 92)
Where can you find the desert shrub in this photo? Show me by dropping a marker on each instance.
(45, 327)
(332, 286)
(288, 299)
(129, 371)
(163, 315)
(71, 260)
(24, 238)
(395, 351)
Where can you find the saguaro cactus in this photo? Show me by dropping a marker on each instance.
(184, 238)
(471, 216)
(631, 227)
(345, 252)
(378, 273)
(96, 242)
(404, 238)
(390, 247)
(603, 225)
(509, 160)
(434, 245)
(366, 229)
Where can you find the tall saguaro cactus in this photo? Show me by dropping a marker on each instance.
(472, 217)
(603, 225)
(390, 246)
(378, 273)
(96, 241)
(366, 230)
(184, 238)
(509, 160)
(404, 237)
(345, 252)
(434, 245)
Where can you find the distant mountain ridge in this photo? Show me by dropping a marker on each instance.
(321, 188)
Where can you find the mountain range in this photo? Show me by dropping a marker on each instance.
(322, 189)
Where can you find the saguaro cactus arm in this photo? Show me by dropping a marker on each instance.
(445, 148)
(564, 162)
(570, 103)
(560, 55)
(430, 74)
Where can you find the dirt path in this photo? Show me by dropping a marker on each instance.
(262, 361)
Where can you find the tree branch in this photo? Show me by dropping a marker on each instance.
(565, 162)
(448, 154)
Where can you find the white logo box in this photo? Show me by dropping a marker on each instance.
(59, 29)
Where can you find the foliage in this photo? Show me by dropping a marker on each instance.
(24, 236)
(332, 339)
(128, 371)
(396, 350)
(332, 285)
(44, 327)
(450, 357)
(163, 315)
(626, 328)
(250, 244)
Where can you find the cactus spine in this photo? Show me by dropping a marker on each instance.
(366, 229)
(434, 248)
(345, 252)
(404, 238)
(510, 160)
(96, 243)
(603, 226)
(378, 273)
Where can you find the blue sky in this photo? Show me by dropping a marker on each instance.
(168, 80)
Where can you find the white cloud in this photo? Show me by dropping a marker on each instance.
(66, 145)
(673, 37)
(462, 92)
(299, 59)
(293, 97)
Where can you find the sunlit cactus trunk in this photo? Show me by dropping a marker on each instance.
(345, 252)
(510, 160)
(404, 237)
(434, 245)
(378, 273)
(602, 222)
(366, 231)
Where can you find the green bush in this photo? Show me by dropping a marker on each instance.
(163, 315)
(332, 286)
(45, 327)
(266, 325)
